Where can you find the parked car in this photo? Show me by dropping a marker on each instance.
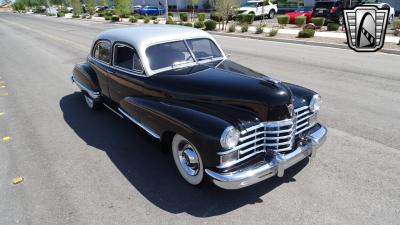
(386, 6)
(220, 120)
(259, 8)
(301, 11)
(136, 8)
(51, 11)
(101, 8)
(331, 10)
(151, 11)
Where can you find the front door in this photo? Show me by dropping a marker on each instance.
(128, 76)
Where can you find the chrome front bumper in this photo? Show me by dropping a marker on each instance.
(254, 174)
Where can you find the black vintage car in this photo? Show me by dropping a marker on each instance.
(221, 120)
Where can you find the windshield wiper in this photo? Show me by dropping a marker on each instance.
(204, 58)
(175, 64)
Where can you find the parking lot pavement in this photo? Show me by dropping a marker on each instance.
(83, 167)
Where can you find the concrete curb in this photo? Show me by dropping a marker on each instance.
(290, 41)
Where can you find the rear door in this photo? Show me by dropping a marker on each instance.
(100, 60)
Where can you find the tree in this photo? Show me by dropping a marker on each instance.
(123, 7)
(226, 8)
(91, 6)
(193, 4)
(103, 3)
(76, 5)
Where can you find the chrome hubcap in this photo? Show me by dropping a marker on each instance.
(189, 159)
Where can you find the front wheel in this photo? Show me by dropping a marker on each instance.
(187, 160)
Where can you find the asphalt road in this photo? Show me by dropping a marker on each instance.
(83, 167)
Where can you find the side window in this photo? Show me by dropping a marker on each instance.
(102, 51)
(127, 58)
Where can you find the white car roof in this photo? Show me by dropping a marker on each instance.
(142, 36)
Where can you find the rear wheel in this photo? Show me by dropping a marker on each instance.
(271, 14)
(187, 160)
(391, 18)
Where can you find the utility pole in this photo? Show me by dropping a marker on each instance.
(166, 9)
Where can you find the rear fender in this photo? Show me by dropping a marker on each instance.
(86, 79)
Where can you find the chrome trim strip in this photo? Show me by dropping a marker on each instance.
(92, 94)
(148, 130)
(301, 109)
(112, 110)
(277, 166)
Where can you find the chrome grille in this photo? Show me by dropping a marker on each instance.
(278, 136)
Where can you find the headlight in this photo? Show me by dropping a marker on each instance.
(230, 137)
(315, 103)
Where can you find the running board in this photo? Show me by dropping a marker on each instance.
(148, 130)
(112, 110)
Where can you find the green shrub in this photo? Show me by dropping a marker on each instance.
(259, 29)
(171, 14)
(60, 14)
(245, 18)
(141, 17)
(154, 17)
(300, 20)
(107, 17)
(283, 20)
(114, 18)
(210, 25)
(333, 26)
(188, 24)
(108, 13)
(307, 33)
(201, 16)
(183, 16)
(75, 16)
(170, 20)
(216, 16)
(132, 19)
(101, 14)
(245, 27)
(146, 20)
(396, 24)
(51, 14)
(232, 28)
(156, 21)
(273, 32)
(83, 16)
(199, 24)
(318, 21)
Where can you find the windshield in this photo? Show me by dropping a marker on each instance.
(304, 9)
(171, 54)
(250, 4)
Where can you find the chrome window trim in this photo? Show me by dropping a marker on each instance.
(94, 48)
(141, 73)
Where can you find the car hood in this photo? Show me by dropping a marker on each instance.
(227, 87)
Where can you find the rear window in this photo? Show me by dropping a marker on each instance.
(102, 51)
(324, 5)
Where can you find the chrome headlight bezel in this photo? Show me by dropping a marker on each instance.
(315, 103)
(230, 137)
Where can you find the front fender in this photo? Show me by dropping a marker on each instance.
(161, 116)
(302, 96)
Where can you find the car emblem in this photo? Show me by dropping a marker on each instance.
(366, 27)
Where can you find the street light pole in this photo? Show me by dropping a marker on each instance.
(166, 9)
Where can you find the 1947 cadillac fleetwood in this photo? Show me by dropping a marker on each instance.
(221, 120)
